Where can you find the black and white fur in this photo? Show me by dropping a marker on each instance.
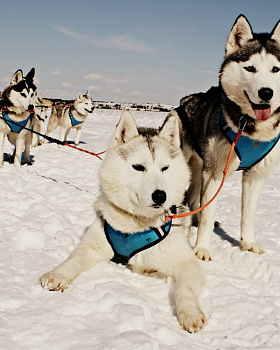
(18, 98)
(249, 86)
(143, 174)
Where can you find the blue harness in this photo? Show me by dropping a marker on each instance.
(125, 245)
(13, 125)
(249, 151)
(74, 121)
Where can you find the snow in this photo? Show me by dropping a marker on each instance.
(45, 210)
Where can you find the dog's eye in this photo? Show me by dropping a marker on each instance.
(23, 94)
(138, 167)
(250, 69)
(275, 69)
(165, 168)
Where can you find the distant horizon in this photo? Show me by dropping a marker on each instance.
(157, 51)
(115, 102)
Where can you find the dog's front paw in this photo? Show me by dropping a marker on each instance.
(54, 281)
(193, 320)
(202, 253)
(252, 247)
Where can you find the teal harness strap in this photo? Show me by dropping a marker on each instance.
(126, 245)
(248, 150)
(74, 121)
(13, 125)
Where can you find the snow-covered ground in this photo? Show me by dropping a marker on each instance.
(45, 209)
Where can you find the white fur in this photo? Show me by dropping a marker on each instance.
(60, 117)
(126, 204)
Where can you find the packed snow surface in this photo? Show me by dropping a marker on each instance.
(45, 210)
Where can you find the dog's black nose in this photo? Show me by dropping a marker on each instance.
(265, 94)
(159, 197)
(30, 107)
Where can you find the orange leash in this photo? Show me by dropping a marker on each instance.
(177, 216)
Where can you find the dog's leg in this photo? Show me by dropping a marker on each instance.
(35, 138)
(20, 141)
(93, 249)
(207, 216)
(252, 185)
(62, 135)
(67, 133)
(189, 280)
(27, 147)
(52, 124)
(194, 191)
(78, 135)
(2, 138)
(39, 129)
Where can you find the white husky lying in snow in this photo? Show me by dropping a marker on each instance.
(143, 175)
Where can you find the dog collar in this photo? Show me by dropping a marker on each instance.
(74, 121)
(248, 150)
(13, 125)
(126, 245)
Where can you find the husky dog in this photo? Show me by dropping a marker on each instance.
(248, 97)
(41, 109)
(68, 117)
(144, 174)
(17, 102)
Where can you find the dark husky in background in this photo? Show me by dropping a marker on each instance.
(249, 95)
(17, 102)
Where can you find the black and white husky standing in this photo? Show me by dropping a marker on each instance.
(17, 102)
(248, 96)
(144, 174)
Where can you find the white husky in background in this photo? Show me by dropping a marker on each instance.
(42, 106)
(248, 96)
(17, 103)
(143, 175)
(69, 117)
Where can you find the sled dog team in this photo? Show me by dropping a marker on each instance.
(149, 172)
(22, 109)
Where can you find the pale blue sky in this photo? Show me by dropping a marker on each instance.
(123, 50)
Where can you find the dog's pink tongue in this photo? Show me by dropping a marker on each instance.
(262, 114)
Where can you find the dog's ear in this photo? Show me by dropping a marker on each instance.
(240, 33)
(17, 77)
(80, 96)
(275, 34)
(125, 131)
(170, 131)
(87, 94)
(40, 98)
(30, 75)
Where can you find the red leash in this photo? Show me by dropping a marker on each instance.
(52, 139)
(83, 150)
